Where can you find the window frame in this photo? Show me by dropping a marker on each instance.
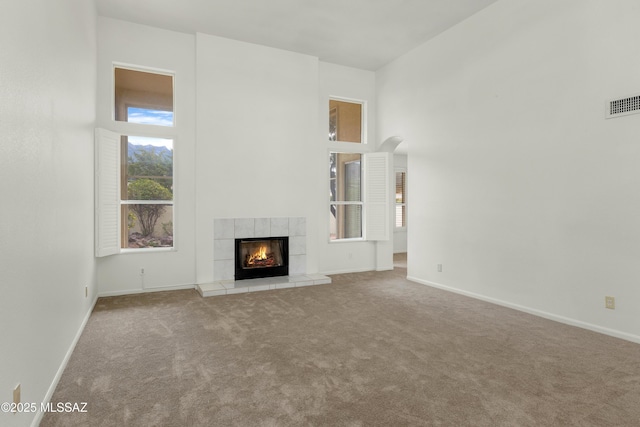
(404, 203)
(375, 196)
(375, 192)
(131, 129)
(172, 202)
(349, 202)
(363, 121)
(144, 69)
(360, 148)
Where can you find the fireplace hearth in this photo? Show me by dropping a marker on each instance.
(261, 257)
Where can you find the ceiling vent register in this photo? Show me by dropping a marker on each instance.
(623, 107)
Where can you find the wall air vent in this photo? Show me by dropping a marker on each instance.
(623, 106)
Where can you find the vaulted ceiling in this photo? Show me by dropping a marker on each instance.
(365, 34)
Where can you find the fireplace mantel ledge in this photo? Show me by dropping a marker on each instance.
(228, 287)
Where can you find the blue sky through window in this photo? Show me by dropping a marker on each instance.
(147, 116)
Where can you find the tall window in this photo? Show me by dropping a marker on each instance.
(359, 180)
(146, 163)
(401, 201)
(146, 192)
(345, 187)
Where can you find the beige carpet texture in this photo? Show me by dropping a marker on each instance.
(370, 349)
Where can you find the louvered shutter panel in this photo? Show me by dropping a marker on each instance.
(107, 197)
(377, 196)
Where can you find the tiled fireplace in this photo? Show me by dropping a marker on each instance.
(291, 232)
(229, 232)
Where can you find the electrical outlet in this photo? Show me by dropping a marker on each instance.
(86, 291)
(142, 271)
(439, 268)
(16, 394)
(610, 303)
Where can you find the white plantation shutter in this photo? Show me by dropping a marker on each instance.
(377, 196)
(107, 198)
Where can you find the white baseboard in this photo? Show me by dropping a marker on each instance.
(535, 312)
(56, 379)
(145, 290)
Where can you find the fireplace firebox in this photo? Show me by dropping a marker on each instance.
(261, 257)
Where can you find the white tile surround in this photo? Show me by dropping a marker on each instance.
(226, 230)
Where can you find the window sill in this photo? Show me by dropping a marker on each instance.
(146, 250)
(358, 239)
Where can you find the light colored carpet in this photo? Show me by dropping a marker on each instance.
(370, 349)
(400, 260)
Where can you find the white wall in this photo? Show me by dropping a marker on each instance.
(47, 113)
(519, 186)
(126, 43)
(257, 156)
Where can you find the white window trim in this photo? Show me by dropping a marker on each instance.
(346, 203)
(369, 219)
(143, 69)
(126, 251)
(146, 202)
(363, 219)
(99, 204)
(172, 203)
(406, 217)
(142, 130)
(363, 132)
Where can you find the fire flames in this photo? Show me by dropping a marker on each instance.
(261, 254)
(260, 258)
